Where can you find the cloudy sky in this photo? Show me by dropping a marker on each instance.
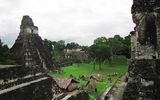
(79, 21)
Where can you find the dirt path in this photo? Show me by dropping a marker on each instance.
(116, 91)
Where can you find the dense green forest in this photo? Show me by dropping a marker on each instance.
(101, 50)
(6, 57)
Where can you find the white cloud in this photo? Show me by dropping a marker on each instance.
(72, 20)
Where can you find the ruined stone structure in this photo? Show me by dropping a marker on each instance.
(29, 48)
(25, 83)
(29, 80)
(146, 37)
(144, 69)
(76, 54)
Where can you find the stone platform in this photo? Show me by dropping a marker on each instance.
(40, 89)
(25, 83)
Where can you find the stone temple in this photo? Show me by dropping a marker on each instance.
(29, 79)
(29, 48)
(144, 68)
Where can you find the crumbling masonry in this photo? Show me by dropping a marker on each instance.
(144, 68)
(29, 48)
(29, 79)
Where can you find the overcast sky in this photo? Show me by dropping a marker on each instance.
(79, 21)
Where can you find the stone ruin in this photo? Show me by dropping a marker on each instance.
(29, 48)
(29, 80)
(144, 68)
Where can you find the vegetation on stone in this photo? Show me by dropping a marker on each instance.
(103, 49)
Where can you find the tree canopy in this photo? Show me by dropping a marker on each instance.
(72, 45)
(100, 51)
(104, 48)
(5, 56)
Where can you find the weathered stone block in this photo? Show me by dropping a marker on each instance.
(143, 81)
(41, 90)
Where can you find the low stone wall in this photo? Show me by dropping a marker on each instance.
(18, 71)
(15, 75)
(25, 83)
(40, 89)
(143, 81)
(77, 95)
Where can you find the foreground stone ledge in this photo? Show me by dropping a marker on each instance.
(143, 80)
(40, 89)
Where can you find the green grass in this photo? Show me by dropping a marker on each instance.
(119, 65)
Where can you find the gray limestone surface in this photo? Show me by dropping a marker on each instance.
(29, 48)
(144, 68)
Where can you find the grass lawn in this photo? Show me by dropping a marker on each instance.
(119, 66)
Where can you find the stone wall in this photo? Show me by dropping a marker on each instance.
(38, 90)
(25, 83)
(76, 55)
(12, 76)
(143, 80)
(133, 44)
(145, 14)
(77, 95)
(144, 69)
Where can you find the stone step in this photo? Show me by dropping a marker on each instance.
(21, 85)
